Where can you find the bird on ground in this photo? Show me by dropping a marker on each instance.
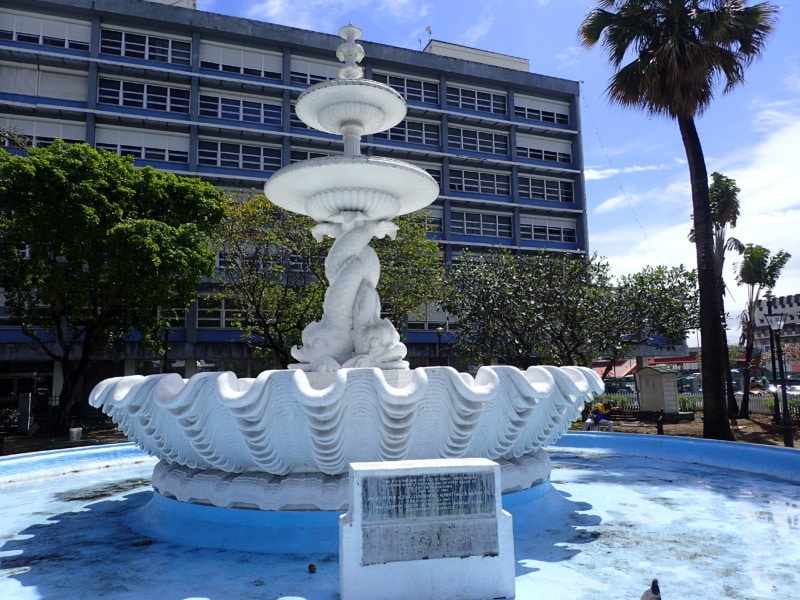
(654, 593)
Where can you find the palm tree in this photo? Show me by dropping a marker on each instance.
(678, 49)
(724, 197)
(757, 270)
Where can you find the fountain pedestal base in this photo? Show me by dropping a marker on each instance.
(303, 491)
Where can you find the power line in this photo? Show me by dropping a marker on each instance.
(615, 173)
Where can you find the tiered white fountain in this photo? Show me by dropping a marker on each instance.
(284, 440)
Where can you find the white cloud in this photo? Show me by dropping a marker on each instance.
(405, 10)
(329, 15)
(569, 57)
(593, 174)
(616, 202)
(770, 199)
(631, 250)
(670, 203)
(478, 31)
(768, 176)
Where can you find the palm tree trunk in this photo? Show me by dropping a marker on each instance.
(712, 333)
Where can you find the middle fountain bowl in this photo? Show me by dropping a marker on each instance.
(380, 188)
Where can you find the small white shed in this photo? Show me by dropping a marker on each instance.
(658, 389)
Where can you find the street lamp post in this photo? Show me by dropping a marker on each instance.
(776, 416)
(439, 332)
(776, 322)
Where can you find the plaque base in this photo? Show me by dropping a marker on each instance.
(426, 529)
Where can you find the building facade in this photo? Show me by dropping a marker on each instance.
(790, 334)
(207, 95)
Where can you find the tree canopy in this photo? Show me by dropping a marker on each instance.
(93, 248)
(274, 271)
(563, 309)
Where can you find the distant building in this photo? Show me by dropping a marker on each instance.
(212, 96)
(790, 334)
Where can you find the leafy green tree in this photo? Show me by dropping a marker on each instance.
(412, 268)
(655, 307)
(13, 137)
(735, 356)
(677, 51)
(564, 310)
(758, 270)
(274, 269)
(497, 300)
(93, 248)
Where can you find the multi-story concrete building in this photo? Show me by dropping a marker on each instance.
(212, 96)
(790, 334)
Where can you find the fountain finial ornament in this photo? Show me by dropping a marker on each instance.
(350, 53)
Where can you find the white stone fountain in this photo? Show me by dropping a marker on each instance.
(284, 440)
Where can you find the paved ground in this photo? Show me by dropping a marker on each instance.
(622, 509)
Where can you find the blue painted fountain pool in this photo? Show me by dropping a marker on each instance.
(709, 519)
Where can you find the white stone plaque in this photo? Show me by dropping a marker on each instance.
(429, 515)
(426, 529)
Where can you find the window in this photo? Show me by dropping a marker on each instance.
(434, 219)
(436, 173)
(217, 312)
(475, 140)
(480, 182)
(230, 59)
(551, 190)
(413, 90)
(544, 149)
(240, 109)
(549, 230)
(537, 109)
(143, 95)
(45, 31)
(432, 169)
(214, 153)
(476, 100)
(145, 47)
(46, 82)
(480, 224)
(294, 120)
(144, 145)
(300, 155)
(412, 132)
(44, 132)
(209, 311)
(309, 72)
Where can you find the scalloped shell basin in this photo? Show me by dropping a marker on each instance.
(322, 188)
(291, 421)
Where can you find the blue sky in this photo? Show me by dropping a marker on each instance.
(638, 193)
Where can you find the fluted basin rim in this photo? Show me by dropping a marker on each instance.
(291, 422)
(386, 100)
(292, 186)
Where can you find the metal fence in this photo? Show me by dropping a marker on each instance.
(760, 404)
(19, 412)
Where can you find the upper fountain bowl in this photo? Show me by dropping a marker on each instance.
(332, 106)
